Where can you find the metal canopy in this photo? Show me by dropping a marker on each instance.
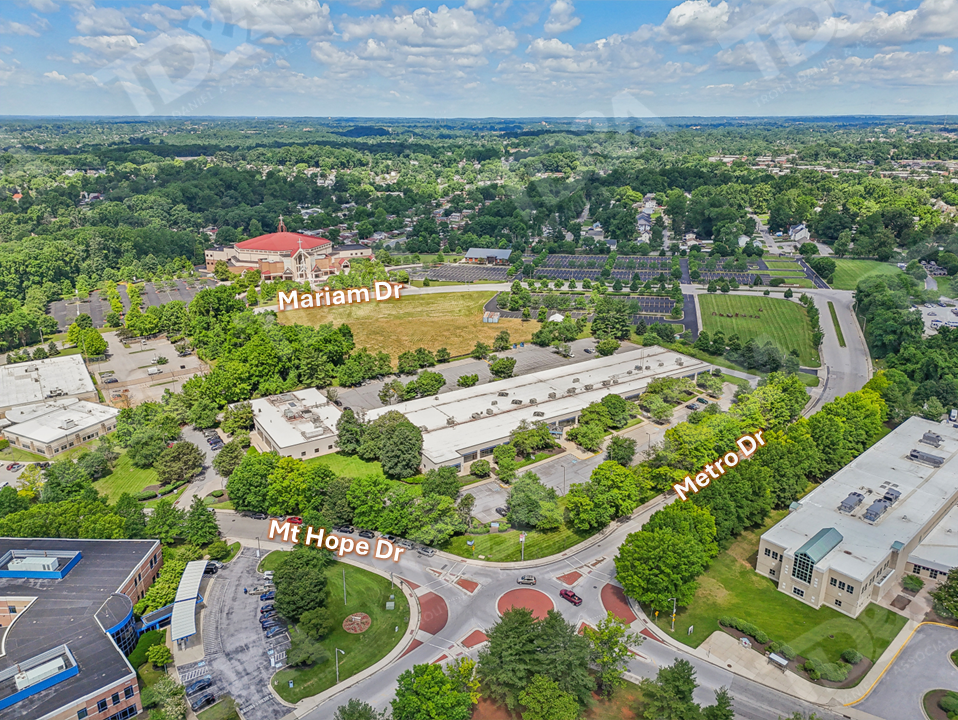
(183, 623)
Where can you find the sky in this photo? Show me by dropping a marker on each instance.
(478, 58)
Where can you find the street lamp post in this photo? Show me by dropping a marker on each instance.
(673, 613)
(337, 663)
(257, 547)
(563, 479)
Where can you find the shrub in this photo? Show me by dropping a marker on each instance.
(852, 656)
(218, 550)
(4, 444)
(813, 674)
(145, 495)
(949, 703)
(775, 647)
(912, 583)
(726, 621)
(787, 652)
(835, 672)
(760, 637)
(480, 468)
(217, 493)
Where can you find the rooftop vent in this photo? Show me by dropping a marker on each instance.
(628, 372)
(648, 367)
(494, 402)
(538, 413)
(891, 496)
(926, 458)
(450, 421)
(615, 382)
(575, 380)
(679, 361)
(606, 383)
(588, 387)
(876, 510)
(552, 396)
(532, 401)
(488, 411)
(853, 500)
(639, 367)
(476, 416)
(570, 391)
(517, 401)
(502, 393)
(930, 438)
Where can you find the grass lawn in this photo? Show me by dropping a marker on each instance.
(782, 265)
(732, 587)
(797, 272)
(270, 561)
(228, 505)
(944, 286)
(348, 465)
(365, 592)
(125, 478)
(807, 380)
(225, 709)
(784, 323)
(149, 675)
(450, 320)
(172, 497)
(849, 272)
(234, 549)
(838, 328)
(15, 454)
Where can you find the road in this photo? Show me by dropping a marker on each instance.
(451, 613)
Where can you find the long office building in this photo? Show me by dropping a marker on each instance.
(464, 425)
(35, 381)
(67, 619)
(850, 541)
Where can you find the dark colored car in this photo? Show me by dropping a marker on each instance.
(703, 401)
(259, 516)
(110, 380)
(368, 534)
(210, 569)
(267, 596)
(692, 406)
(345, 529)
(200, 684)
(390, 538)
(571, 597)
(275, 631)
(267, 617)
(293, 520)
(203, 701)
(266, 608)
(588, 351)
(272, 623)
(502, 511)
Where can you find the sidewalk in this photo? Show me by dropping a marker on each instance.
(722, 650)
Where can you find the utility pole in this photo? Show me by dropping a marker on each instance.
(344, 587)
(673, 613)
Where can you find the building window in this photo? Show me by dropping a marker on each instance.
(775, 555)
(768, 553)
(851, 588)
(12, 609)
(101, 706)
(838, 603)
(841, 585)
(833, 582)
(798, 591)
(802, 569)
(116, 698)
(303, 454)
(81, 713)
(772, 573)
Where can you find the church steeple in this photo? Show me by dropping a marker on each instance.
(282, 225)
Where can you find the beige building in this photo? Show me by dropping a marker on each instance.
(39, 380)
(300, 424)
(850, 541)
(52, 427)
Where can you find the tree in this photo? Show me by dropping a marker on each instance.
(350, 430)
(480, 351)
(358, 710)
(933, 409)
(222, 271)
(130, 509)
(609, 643)
(301, 582)
(229, 458)
(248, 485)
(543, 700)
(506, 465)
(201, 527)
(166, 522)
(441, 481)
(526, 498)
(669, 696)
(430, 692)
(467, 380)
(503, 367)
(429, 383)
(203, 414)
(807, 250)
(946, 594)
(180, 462)
(480, 468)
(502, 341)
(722, 709)
(66, 480)
(145, 447)
(237, 417)
(401, 450)
(317, 623)
(305, 651)
(442, 355)
(159, 655)
(621, 450)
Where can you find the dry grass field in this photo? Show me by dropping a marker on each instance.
(450, 320)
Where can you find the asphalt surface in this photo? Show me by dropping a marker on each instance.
(921, 666)
(477, 611)
(208, 480)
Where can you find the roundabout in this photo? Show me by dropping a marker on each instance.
(538, 602)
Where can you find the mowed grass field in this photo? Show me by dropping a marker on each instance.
(125, 478)
(849, 272)
(782, 265)
(783, 322)
(450, 320)
(732, 587)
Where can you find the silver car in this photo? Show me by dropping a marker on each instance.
(527, 580)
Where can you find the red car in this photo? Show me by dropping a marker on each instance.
(294, 520)
(571, 597)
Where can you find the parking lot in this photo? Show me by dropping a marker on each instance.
(943, 315)
(130, 367)
(237, 654)
(464, 273)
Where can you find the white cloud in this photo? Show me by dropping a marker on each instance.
(102, 21)
(695, 21)
(6, 49)
(551, 48)
(54, 75)
(305, 18)
(561, 18)
(15, 28)
(45, 6)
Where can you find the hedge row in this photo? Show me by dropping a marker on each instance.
(745, 627)
(833, 672)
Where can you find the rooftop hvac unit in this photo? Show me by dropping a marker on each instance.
(606, 383)
(575, 380)
(851, 502)
(552, 396)
(423, 428)
(35, 564)
(488, 411)
(876, 510)
(930, 438)
(538, 413)
(639, 368)
(628, 372)
(661, 363)
(502, 393)
(588, 387)
(926, 458)
(450, 421)
(39, 673)
(476, 416)
(437, 397)
(532, 401)
(679, 361)
(494, 402)
(615, 382)
(891, 496)
(517, 401)
(570, 391)
(648, 367)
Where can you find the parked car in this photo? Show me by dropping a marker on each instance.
(259, 516)
(571, 597)
(15, 467)
(692, 406)
(272, 623)
(588, 351)
(345, 529)
(210, 569)
(408, 544)
(200, 684)
(275, 631)
(390, 538)
(527, 580)
(702, 401)
(368, 534)
(266, 617)
(266, 608)
(293, 520)
(502, 511)
(427, 551)
(203, 701)
(270, 595)
(110, 380)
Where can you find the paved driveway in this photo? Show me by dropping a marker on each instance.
(208, 480)
(922, 665)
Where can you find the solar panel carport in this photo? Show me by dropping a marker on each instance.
(187, 596)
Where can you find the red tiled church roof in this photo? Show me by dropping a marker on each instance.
(280, 241)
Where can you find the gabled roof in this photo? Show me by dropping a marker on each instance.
(824, 541)
(280, 241)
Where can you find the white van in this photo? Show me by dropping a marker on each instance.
(953, 415)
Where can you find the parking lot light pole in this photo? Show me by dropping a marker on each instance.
(337, 663)
(257, 547)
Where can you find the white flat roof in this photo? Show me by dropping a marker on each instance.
(443, 441)
(49, 421)
(183, 622)
(297, 417)
(924, 490)
(37, 380)
(939, 551)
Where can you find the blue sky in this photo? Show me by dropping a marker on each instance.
(478, 58)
